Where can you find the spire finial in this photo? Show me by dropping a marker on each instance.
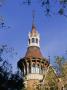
(33, 15)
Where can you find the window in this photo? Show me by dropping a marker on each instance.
(33, 68)
(33, 40)
(29, 41)
(36, 40)
(37, 69)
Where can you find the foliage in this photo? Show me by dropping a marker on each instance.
(50, 80)
(8, 80)
(62, 67)
(15, 82)
(2, 2)
(64, 71)
(59, 60)
(51, 77)
(51, 7)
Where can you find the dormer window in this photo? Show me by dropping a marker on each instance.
(33, 40)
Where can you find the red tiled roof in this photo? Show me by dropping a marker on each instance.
(33, 51)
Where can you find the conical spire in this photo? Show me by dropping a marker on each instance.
(34, 37)
(33, 32)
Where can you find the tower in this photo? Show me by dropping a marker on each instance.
(33, 65)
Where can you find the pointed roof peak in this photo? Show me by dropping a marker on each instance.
(33, 16)
(33, 32)
(33, 24)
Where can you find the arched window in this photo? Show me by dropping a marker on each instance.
(33, 40)
(33, 68)
(36, 40)
(37, 68)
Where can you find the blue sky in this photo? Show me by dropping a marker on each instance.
(53, 30)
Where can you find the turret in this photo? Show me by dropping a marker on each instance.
(33, 65)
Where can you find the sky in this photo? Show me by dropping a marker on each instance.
(52, 29)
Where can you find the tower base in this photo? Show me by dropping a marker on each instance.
(32, 84)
